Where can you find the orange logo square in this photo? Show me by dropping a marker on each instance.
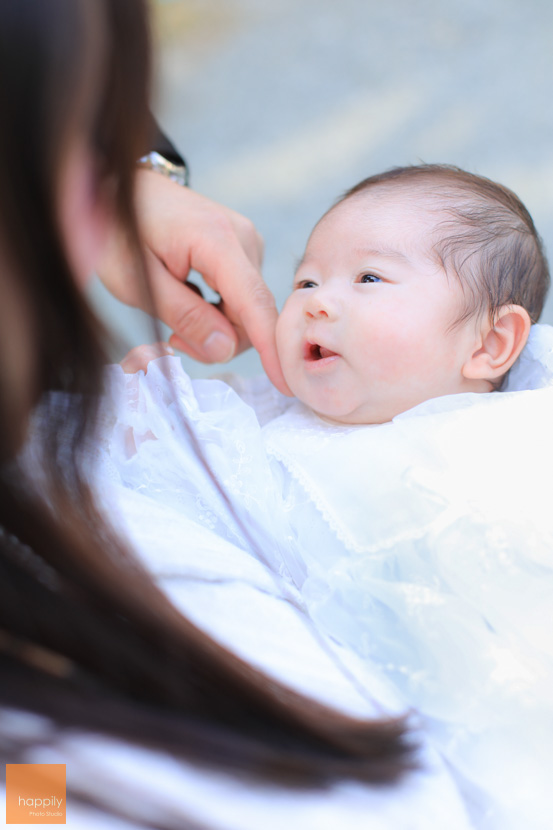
(35, 794)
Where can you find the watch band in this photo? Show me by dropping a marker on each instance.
(159, 164)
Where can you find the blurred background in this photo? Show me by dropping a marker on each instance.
(279, 107)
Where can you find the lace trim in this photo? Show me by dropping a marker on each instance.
(321, 505)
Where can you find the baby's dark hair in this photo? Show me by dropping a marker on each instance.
(488, 238)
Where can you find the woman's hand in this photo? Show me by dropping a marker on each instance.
(183, 230)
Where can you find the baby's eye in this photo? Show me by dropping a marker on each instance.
(370, 278)
(306, 284)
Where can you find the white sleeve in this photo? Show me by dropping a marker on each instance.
(196, 447)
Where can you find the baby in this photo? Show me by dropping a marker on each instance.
(420, 282)
(405, 505)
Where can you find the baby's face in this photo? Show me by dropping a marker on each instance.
(367, 331)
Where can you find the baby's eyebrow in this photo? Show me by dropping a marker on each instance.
(383, 253)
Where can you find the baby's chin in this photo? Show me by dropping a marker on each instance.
(351, 420)
(344, 416)
(354, 413)
(373, 415)
(337, 420)
(333, 408)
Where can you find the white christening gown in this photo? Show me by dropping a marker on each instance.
(424, 544)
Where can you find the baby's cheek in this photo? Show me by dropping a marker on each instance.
(390, 353)
(284, 333)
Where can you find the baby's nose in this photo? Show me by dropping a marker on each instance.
(312, 313)
(320, 304)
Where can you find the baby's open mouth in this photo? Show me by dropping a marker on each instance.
(314, 351)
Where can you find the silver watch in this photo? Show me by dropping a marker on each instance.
(159, 164)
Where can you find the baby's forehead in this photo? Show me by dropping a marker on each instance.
(406, 217)
(422, 203)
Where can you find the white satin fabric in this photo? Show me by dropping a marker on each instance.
(424, 545)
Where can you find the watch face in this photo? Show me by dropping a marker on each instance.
(176, 172)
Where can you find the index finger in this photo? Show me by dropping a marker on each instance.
(248, 302)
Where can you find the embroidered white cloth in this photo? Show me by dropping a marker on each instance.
(425, 544)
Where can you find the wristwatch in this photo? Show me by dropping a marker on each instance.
(159, 164)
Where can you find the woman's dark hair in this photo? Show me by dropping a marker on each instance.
(86, 637)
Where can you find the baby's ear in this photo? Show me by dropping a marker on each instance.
(501, 344)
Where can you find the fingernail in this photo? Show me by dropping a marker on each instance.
(218, 347)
